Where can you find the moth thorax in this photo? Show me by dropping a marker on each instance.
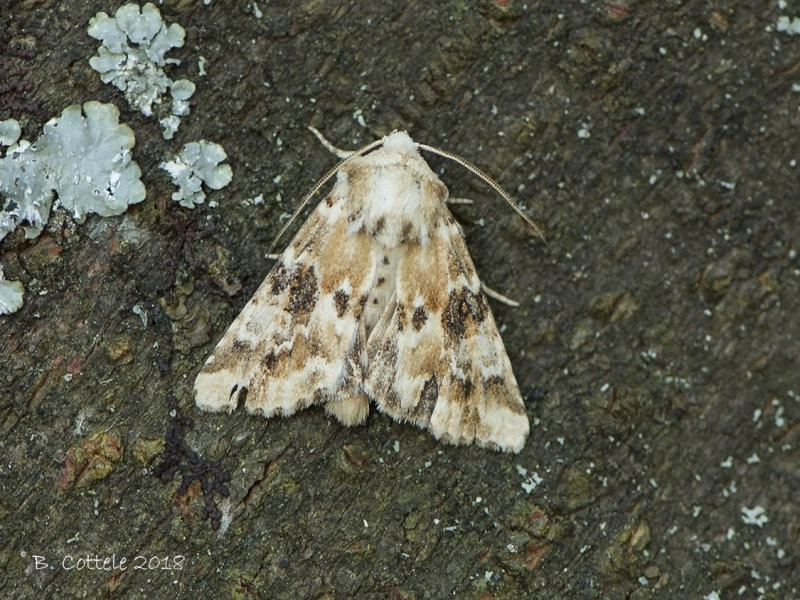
(394, 205)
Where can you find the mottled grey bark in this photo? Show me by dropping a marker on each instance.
(656, 341)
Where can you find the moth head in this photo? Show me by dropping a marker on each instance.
(400, 141)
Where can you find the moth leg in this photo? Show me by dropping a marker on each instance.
(350, 411)
(498, 296)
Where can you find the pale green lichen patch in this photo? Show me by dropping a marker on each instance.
(197, 163)
(83, 156)
(134, 46)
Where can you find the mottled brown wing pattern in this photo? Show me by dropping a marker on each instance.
(436, 358)
(375, 298)
(296, 342)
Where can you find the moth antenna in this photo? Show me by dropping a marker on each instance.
(323, 180)
(330, 147)
(347, 155)
(494, 185)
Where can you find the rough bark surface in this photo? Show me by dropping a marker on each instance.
(657, 341)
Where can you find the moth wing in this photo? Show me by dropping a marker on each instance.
(435, 356)
(298, 341)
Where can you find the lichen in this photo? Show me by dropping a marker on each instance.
(197, 163)
(10, 295)
(9, 132)
(84, 157)
(787, 25)
(131, 57)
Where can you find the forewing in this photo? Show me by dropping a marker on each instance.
(297, 341)
(436, 358)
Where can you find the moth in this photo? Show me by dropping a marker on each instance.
(376, 299)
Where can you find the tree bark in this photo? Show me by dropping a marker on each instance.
(656, 343)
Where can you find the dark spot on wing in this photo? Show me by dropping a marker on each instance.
(467, 385)
(386, 260)
(463, 307)
(418, 318)
(279, 278)
(340, 299)
(401, 316)
(494, 380)
(405, 232)
(379, 225)
(269, 360)
(238, 346)
(303, 291)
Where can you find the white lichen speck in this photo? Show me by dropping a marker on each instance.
(9, 132)
(754, 516)
(10, 295)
